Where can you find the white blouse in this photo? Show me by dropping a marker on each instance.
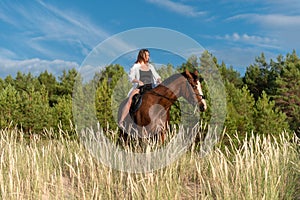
(135, 74)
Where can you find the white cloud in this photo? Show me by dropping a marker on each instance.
(178, 8)
(270, 20)
(240, 57)
(48, 32)
(35, 66)
(66, 24)
(280, 29)
(247, 39)
(6, 53)
(39, 25)
(279, 6)
(253, 38)
(235, 36)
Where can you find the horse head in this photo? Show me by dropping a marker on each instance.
(194, 90)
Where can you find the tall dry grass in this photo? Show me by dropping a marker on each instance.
(260, 168)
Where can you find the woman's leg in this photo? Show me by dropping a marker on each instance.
(126, 107)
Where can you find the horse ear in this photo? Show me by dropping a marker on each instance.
(196, 73)
(188, 73)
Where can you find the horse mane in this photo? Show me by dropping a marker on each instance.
(176, 76)
(171, 78)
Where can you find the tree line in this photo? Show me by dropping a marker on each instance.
(265, 100)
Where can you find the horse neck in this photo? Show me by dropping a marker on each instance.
(176, 87)
(172, 90)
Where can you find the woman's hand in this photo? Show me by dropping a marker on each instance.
(140, 83)
(158, 81)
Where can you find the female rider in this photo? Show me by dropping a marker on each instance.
(141, 73)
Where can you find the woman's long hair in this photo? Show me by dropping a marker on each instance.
(141, 55)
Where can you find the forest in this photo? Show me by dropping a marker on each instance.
(256, 157)
(265, 100)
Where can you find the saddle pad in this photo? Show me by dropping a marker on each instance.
(137, 98)
(136, 103)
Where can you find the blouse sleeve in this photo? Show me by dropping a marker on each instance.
(154, 72)
(133, 73)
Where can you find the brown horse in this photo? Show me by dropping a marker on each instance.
(153, 115)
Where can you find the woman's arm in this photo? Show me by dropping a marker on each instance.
(155, 74)
(133, 74)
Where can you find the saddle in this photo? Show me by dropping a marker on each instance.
(137, 98)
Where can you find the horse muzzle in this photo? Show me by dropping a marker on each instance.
(202, 105)
(202, 108)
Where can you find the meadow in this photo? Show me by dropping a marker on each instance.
(48, 167)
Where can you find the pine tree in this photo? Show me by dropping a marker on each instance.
(62, 114)
(240, 110)
(257, 76)
(214, 91)
(23, 82)
(9, 106)
(287, 92)
(268, 119)
(83, 104)
(112, 88)
(230, 75)
(2, 84)
(35, 112)
(51, 85)
(67, 81)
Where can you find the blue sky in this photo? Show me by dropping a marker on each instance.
(56, 35)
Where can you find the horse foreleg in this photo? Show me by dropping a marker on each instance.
(162, 136)
(166, 127)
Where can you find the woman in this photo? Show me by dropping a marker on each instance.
(141, 73)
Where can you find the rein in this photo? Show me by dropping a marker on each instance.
(174, 100)
(170, 99)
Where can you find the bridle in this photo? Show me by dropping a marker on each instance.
(189, 84)
(194, 89)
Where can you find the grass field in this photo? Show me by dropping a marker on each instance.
(41, 168)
